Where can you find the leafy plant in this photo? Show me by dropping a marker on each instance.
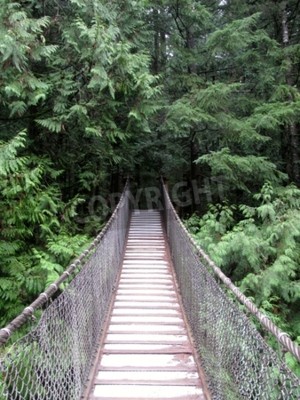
(258, 247)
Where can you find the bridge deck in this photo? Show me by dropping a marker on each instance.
(147, 351)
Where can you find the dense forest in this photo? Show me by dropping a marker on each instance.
(205, 93)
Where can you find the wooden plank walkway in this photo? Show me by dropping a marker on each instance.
(147, 352)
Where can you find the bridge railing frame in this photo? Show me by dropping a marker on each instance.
(191, 263)
(39, 355)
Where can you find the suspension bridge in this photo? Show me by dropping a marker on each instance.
(145, 314)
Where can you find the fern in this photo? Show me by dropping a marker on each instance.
(9, 163)
(65, 247)
(22, 35)
(52, 124)
(17, 108)
(234, 36)
(239, 170)
(260, 251)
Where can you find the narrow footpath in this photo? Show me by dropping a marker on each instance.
(147, 352)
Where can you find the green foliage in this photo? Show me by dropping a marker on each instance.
(35, 243)
(9, 163)
(236, 36)
(20, 35)
(275, 114)
(75, 89)
(239, 171)
(258, 247)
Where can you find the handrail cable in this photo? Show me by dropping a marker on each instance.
(53, 360)
(281, 336)
(28, 311)
(237, 360)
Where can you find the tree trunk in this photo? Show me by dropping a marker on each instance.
(156, 43)
(163, 49)
(190, 44)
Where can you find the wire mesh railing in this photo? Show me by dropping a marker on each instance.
(54, 359)
(237, 361)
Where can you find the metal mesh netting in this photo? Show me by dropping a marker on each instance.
(237, 361)
(54, 360)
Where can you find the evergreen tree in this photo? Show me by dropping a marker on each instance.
(75, 90)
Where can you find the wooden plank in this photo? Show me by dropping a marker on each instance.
(154, 237)
(146, 348)
(141, 311)
(138, 291)
(147, 392)
(146, 262)
(145, 275)
(138, 240)
(174, 378)
(153, 268)
(146, 304)
(162, 338)
(134, 328)
(153, 362)
(150, 298)
(148, 319)
(129, 286)
(131, 280)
